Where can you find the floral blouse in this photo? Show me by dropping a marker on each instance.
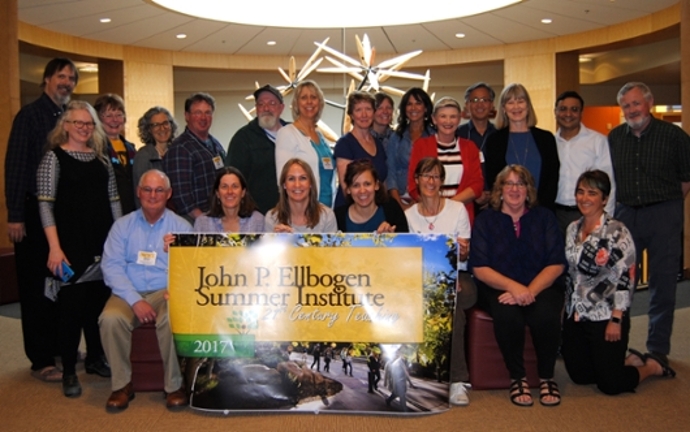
(601, 270)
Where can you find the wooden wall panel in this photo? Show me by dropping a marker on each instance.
(9, 96)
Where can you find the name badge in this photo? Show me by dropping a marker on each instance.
(327, 162)
(146, 258)
(218, 162)
(481, 156)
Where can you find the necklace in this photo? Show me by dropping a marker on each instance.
(431, 223)
(517, 157)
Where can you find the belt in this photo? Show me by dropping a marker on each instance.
(641, 206)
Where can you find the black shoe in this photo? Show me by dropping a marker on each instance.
(99, 367)
(658, 355)
(71, 386)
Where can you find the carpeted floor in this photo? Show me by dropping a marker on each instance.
(658, 405)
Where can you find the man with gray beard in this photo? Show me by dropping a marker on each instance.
(252, 148)
(651, 162)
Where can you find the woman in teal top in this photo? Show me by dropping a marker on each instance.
(302, 140)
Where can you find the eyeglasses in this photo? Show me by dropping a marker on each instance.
(149, 190)
(202, 113)
(113, 116)
(434, 177)
(510, 185)
(480, 100)
(163, 124)
(81, 124)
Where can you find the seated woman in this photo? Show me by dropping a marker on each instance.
(299, 209)
(232, 207)
(369, 208)
(518, 260)
(464, 180)
(436, 214)
(599, 287)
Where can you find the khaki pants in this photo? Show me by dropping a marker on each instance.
(117, 321)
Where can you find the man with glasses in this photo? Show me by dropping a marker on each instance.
(580, 149)
(479, 103)
(194, 158)
(252, 148)
(25, 146)
(135, 267)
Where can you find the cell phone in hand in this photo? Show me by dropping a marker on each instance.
(67, 272)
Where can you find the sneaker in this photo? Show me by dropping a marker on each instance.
(99, 367)
(458, 394)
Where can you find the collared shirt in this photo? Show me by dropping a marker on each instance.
(601, 270)
(130, 235)
(189, 164)
(25, 147)
(651, 167)
(398, 159)
(470, 132)
(585, 151)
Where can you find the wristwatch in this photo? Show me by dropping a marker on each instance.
(615, 320)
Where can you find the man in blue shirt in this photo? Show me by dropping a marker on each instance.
(135, 267)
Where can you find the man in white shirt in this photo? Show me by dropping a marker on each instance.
(580, 149)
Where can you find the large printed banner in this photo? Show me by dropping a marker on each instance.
(314, 322)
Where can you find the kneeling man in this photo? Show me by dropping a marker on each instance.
(135, 267)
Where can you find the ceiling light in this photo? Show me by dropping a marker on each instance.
(459, 35)
(105, 20)
(377, 13)
(181, 36)
(546, 21)
(271, 43)
(86, 67)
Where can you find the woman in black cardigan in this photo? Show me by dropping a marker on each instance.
(519, 142)
(369, 209)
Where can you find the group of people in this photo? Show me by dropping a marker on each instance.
(523, 203)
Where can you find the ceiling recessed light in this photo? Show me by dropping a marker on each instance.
(105, 20)
(271, 43)
(181, 36)
(546, 21)
(459, 35)
(378, 13)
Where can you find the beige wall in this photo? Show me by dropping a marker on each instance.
(148, 73)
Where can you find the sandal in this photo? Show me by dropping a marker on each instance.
(666, 369)
(636, 353)
(520, 388)
(48, 374)
(549, 388)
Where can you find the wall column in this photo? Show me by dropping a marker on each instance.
(148, 81)
(9, 97)
(685, 114)
(536, 70)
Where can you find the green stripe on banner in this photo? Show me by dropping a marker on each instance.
(204, 345)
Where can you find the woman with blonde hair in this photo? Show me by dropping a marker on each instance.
(298, 209)
(302, 140)
(518, 259)
(78, 202)
(518, 141)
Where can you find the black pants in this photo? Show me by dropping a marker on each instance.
(80, 307)
(543, 317)
(590, 359)
(39, 315)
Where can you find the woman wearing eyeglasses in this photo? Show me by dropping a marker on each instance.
(518, 141)
(460, 157)
(434, 214)
(111, 111)
(157, 128)
(78, 202)
(518, 259)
